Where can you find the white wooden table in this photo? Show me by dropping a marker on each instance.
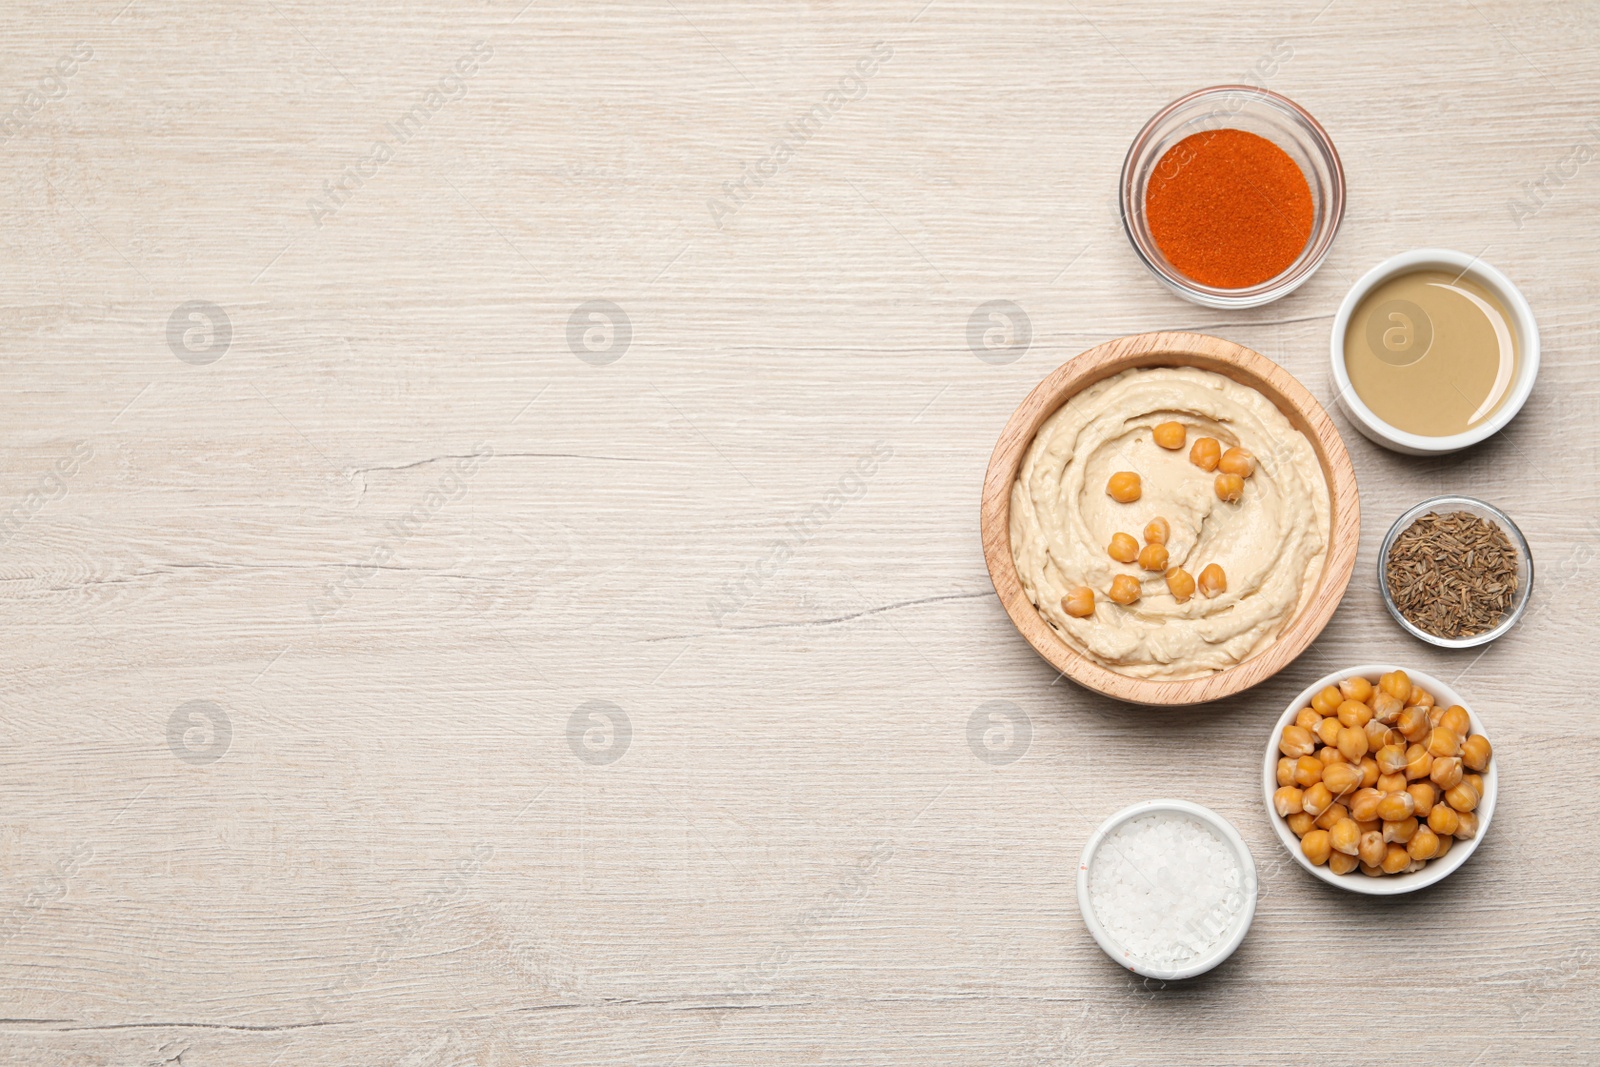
(406, 665)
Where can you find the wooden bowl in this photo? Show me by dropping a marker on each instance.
(1172, 350)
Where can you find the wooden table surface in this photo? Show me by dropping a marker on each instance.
(492, 571)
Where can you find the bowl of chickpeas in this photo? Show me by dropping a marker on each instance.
(1380, 780)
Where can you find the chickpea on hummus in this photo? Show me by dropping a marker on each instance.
(1270, 540)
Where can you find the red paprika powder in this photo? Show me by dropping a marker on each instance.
(1228, 209)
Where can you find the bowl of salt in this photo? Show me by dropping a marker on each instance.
(1167, 888)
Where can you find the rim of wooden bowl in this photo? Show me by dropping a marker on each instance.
(1169, 349)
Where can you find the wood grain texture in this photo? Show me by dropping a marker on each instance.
(1248, 368)
(403, 537)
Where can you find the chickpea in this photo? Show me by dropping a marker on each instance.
(1170, 435)
(1317, 847)
(1475, 780)
(1396, 806)
(1213, 582)
(1369, 825)
(1372, 872)
(1344, 836)
(1419, 764)
(1342, 778)
(1237, 461)
(1180, 583)
(1301, 823)
(1444, 846)
(1364, 804)
(1327, 731)
(1443, 820)
(1079, 602)
(1352, 743)
(1307, 771)
(1466, 825)
(1206, 453)
(1153, 557)
(1413, 723)
(1426, 796)
(1395, 860)
(1371, 848)
(1125, 589)
(1435, 716)
(1391, 759)
(1476, 752)
(1377, 735)
(1123, 548)
(1156, 531)
(1462, 797)
(1329, 756)
(1307, 719)
(1369, 772)
(1456, 720)
(1123, 487)
(1396, 684)
(1316, 800)
(1401, 831)
(1424, 844)
(1386, 708)
(1446, 773)
(1327, 701)
(1443, 741)
(1390, 783)
(1296, 742)
(1230, 488)
(1354, 713)
(1357, 688)
(1335, 812)
(1420, 697)
(1339, 863)
(1287, 801)
(1285, 770)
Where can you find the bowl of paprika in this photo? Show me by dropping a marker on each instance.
(1231, 196)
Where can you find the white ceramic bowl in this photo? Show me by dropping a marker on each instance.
(1390, 884)
(1240, 923)
(1391, 437)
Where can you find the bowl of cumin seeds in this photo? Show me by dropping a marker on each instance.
(1455, 572)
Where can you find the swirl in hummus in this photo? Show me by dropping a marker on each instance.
(1272, 544)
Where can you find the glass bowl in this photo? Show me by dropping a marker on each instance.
(1266, 114)
(1489, 513)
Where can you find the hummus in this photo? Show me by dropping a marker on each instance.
(1271, 544)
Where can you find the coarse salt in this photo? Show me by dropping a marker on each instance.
(1167, 888)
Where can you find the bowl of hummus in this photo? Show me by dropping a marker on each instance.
(1170, 518)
